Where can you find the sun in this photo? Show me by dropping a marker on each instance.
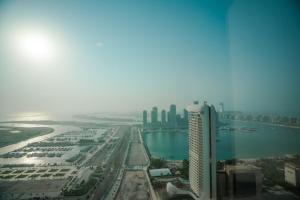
(35, 47)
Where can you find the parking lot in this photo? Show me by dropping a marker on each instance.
(30, 189)
(37, 173)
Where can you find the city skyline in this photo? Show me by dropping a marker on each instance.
(169, 119)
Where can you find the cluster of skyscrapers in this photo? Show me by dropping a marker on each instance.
(201, 122)
(206, 182)
(168, 120)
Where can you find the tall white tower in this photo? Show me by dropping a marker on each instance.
(202, 150)
(221, 107)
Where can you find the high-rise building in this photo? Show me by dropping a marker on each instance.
(202, 150)
(172, 120)
(178, 120)
(185, 117)
(168, 119)
(154, 120)
(163, 118)
(145, 118)
(221, 107)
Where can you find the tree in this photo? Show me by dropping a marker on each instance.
(185, 169)
(158, 163)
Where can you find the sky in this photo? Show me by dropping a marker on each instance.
(132, 55)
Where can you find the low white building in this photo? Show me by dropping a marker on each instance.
(160, 172)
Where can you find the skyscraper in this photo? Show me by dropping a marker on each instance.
(185, 117)
(145, 118)
(163, 118)
(178, 120)
(172, 120)
(202, 150)
(154, 117)
(168, 119)
(221, 107)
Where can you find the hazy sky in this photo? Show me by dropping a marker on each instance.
(131, 55)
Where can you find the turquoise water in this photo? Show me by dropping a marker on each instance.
(266, 141)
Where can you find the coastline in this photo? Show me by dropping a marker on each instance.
(265, 123)
(58, 129)
(247, 160)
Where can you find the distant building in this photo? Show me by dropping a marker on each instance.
(145, 114)
(292, 174)
(202, 150)
(185, 117)
(293, 120)
(163, 118)
(154, 114)
(172, 117)
(179, 120)
(221, 107)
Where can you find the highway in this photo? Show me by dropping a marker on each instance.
(135, 183)
(112, 165)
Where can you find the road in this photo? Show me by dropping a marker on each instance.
(135, 183)
(137, 156)
(113, 164)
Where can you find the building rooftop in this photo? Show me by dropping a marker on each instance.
(195, 107)
(241, 168)
(293, 165)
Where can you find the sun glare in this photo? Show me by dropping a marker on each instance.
(35, 47)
